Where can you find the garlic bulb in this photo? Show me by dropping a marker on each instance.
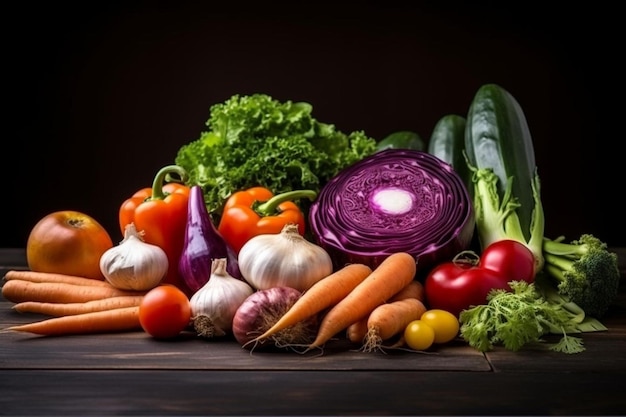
(283, 259)
(134, 264)
(214, 305)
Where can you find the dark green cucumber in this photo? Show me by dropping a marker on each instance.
(401, 140)
(497, 137)
(447, 143)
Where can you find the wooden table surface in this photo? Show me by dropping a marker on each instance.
(134, 374)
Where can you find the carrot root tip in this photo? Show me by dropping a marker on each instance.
(373, 342)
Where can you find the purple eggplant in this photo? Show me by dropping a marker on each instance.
(203, 243)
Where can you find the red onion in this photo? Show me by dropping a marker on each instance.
(396, 200)
(203, 243)
(261, 310)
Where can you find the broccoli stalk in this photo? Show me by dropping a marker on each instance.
(583, 270)
(498, 219)
(578, 317)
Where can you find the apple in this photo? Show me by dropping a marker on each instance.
(68, 242)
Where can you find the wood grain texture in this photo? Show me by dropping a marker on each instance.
(314, 393)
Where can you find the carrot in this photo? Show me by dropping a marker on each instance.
(388, 320)
(108, 321)
(321, 295)
(392, 275)
(357, 331)
(413, 289)
(18, 291)
(33, 276)
(68, 309)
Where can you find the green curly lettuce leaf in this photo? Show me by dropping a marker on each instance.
(258, 141)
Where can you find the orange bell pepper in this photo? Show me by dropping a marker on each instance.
(160, 213)
(256, 211)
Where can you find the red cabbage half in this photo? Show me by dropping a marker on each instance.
(396, 200)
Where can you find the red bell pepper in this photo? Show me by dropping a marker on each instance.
(257, 210)
(160, 213)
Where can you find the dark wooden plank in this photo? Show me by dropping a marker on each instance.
(137, 350)
(200, 392)
(13, 258)
(604, 352)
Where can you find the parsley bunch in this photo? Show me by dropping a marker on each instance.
(523, 315)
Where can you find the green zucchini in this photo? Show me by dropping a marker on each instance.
(497, 137)
(447, 142)
(403, 139)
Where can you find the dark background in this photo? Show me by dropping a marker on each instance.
(99, 97)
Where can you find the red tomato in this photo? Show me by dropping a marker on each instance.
(164, 312)
(511, 259)
(454, 287)
(67, 242)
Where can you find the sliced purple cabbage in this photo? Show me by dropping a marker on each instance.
(396, 200)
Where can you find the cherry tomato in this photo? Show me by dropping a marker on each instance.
(445, 324)
(165, 311)
(418, 335)
(67, 242)
(511, 259)
(453, 287)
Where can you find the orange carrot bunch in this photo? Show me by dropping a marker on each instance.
(77, 305)
(358, 332)
(390, 277)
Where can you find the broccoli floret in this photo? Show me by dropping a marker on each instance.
(549, 292)
(583, 270)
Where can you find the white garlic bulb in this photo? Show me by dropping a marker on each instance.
(283, 259)
(214, 305)
(134, 264)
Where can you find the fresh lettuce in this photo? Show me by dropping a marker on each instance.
(256, 140)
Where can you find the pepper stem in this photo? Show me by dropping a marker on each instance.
(270, 206)
(160, 177)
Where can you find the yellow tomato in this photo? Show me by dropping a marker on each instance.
(418, 335)
(444, 323)
(67, 242)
